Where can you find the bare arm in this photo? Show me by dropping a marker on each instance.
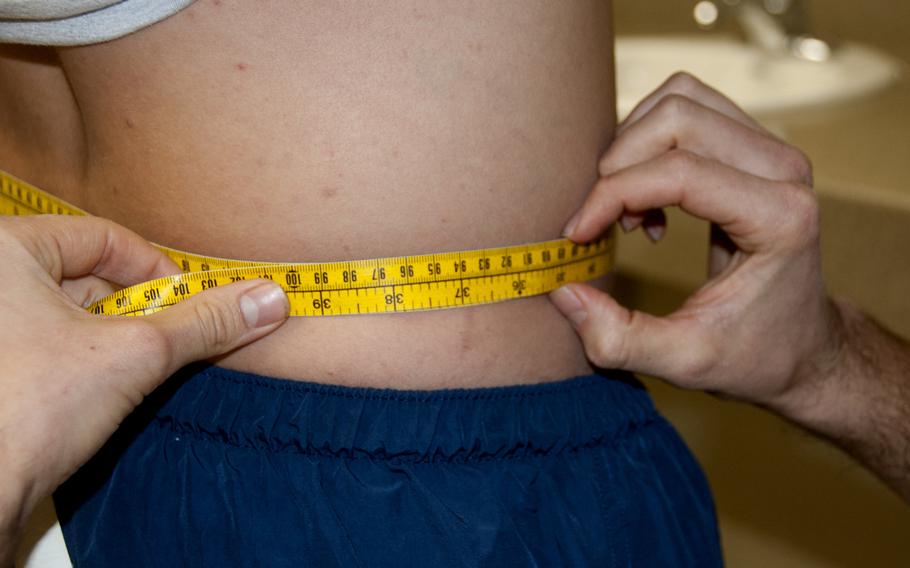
(860, 398)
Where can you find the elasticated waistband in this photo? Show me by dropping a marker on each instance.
(275, 415)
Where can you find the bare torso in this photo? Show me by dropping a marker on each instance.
(329, 131)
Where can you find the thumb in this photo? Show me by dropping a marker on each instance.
(617, 338)
(220, 319)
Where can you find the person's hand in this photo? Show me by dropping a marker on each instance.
(762, 324)
(67, 377)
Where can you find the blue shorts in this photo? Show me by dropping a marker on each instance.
(222, 468)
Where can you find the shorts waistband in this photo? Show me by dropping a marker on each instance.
(277, 415)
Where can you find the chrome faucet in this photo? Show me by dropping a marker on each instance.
(775, 26)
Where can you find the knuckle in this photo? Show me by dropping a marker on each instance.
(802, 218)
(604, 345)
(600, 350)
(680, 163)
(683, 82)
(797, 165)
(674, 108)
(623, 350)
(595, 345)
(217, 323)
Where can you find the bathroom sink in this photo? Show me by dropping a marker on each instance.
(761, 82)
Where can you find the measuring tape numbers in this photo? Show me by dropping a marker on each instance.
(385, 285)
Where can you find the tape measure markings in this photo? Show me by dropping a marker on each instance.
(383, 285)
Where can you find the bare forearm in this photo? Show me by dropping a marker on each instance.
(861, 398)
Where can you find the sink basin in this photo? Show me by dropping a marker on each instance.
(760, 82)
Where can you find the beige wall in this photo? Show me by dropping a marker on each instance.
(784, 498)
(883, 23)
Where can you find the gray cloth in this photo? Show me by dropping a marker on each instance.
(79, 22)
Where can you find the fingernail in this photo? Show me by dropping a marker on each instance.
(626, 223)
(568, 302)
(655, 232)
(264, 304)
(573, 222)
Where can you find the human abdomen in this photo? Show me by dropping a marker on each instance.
(286, 132)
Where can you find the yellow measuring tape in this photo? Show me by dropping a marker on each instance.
(395, 284)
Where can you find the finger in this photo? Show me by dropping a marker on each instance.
(751, 210)
(70, 247)
(689, 86)
(88, 289)
(617, 338)
(677, 121)
(218, 320)
(631, 221)
(720, 251)
(654, 224)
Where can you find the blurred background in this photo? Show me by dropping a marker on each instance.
(829, 76)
